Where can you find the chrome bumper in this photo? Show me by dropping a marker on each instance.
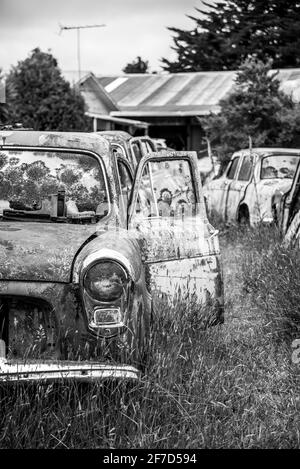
(16, 372)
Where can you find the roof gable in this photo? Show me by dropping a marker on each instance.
(96, 98)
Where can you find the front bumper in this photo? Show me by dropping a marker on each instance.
(40, 371)
(45, 323)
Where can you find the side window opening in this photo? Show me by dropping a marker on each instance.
(125, 181)
(232, 170)
(137, 151)
(245, 171)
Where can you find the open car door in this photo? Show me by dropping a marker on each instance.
(290, 217)
(180, 249)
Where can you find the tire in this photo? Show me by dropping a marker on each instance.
(243, 216)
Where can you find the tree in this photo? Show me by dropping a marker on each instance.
(229, 31)
(42, 98)
(137, 66)
(256, 108)
(9, 93)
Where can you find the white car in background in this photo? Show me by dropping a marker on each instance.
(245, 191)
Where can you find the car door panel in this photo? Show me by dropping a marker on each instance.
(219, 189)
(235, 195)
(181, 251)
(238, 186)
(218, 195)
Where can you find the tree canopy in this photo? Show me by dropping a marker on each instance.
(227, 32)
(256, 108)
(3, 105)
(137, 66)
(42, 99)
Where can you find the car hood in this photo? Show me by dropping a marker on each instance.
(34, 251)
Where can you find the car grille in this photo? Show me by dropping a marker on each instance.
(28, 328)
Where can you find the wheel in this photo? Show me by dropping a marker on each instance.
(243, 217)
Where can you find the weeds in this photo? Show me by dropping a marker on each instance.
(271, 275)
(232, 386)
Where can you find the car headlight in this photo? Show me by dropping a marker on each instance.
(105, 281)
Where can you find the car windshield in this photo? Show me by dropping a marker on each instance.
(51, 186)
(279, 166)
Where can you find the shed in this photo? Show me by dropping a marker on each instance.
(164, 105)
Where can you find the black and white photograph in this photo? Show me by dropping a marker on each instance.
(149, 227)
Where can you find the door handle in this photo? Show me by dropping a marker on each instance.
(214, 234)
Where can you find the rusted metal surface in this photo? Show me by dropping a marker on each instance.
(117, 136)
(47, 312)
(36, 251)
(188, 259)
(74, 339)
(120, 142)
(234, 197)
(132, 148)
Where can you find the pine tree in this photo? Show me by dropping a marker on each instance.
(42, 98)
(229, 31)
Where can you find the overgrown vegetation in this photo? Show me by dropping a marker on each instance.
(271, 275)
(256, 108)
(232, 386)
(137, 66)
(40, 98)
(224, 33)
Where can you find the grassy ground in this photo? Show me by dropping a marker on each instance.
(233, 386)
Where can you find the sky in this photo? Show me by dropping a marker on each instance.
(133, 28)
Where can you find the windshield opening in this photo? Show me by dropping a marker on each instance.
(279, 167)
(51, 186)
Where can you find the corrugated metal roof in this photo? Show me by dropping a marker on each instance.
(181, 93)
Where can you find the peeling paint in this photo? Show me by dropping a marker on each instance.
(45, 264)
(233, 197)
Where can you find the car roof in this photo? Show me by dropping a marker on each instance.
(268, 150)
(115, 135)
(88, 141)
(76, 140)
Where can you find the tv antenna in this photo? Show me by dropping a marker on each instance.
(78, 28)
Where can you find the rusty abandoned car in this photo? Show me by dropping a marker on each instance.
(245, 192)
(86, 250)
(131, 148)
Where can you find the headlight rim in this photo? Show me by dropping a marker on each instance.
(97, 262)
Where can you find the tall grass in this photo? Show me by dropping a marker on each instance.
(271, 275)
(232, 386)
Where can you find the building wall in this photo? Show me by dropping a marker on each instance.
(181, 133)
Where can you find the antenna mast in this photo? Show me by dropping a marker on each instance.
(78, 28)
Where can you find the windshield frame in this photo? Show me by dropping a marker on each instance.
(160, 157)
(77, 151)
(269, 155)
